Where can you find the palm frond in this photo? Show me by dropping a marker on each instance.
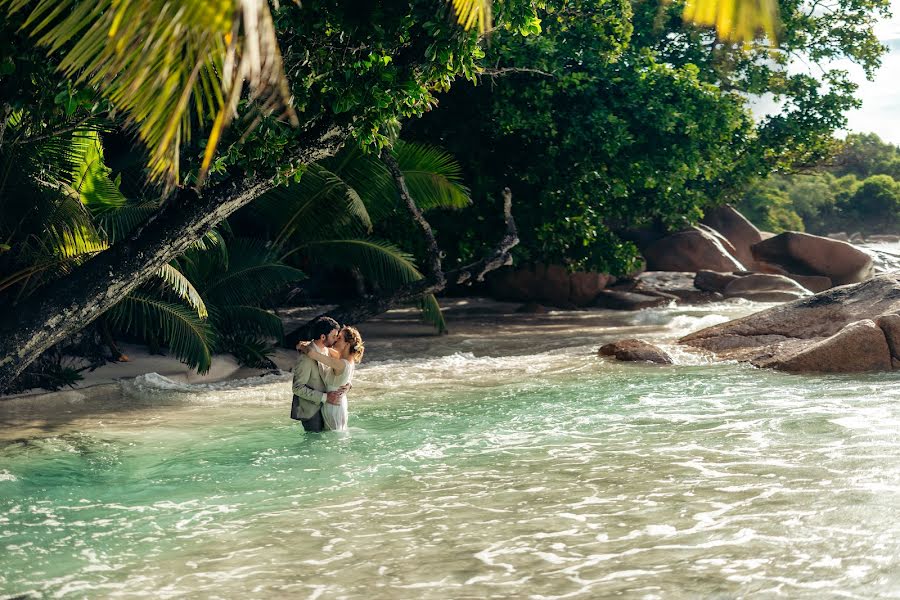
(318, 204)
(183, 288)
(432, 314)
(114, 214)
(250, 351)
(188, 337)
(433, 176)
(73, 242)
(735, 20)
(376, 260)
(212, 241)
(473, 12)
(253, 273)
(248, 319)
(166, 64)
(117, 224)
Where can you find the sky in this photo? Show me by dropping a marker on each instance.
(880, 112)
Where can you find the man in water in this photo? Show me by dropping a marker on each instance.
(309, 384)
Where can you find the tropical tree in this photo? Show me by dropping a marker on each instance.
(165, 70)
(333, 216)
(598, 137)
(352, 73)
(81, 211)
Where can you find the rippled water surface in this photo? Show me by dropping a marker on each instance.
(514, 463)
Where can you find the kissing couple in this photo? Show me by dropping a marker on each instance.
(323, 375)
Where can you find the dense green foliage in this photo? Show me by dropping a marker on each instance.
(359, 67)
(607, 122)
(856, 191)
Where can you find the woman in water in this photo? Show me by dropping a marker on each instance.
(342, 359)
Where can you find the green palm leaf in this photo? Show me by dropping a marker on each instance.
(183, 288)
(253, 273)
(376, 260)
(432, 314)
(317, 205)
(114, 214)
(213, 242)
(188, 337)
(166, 64)
(433, 176)
(248, 319)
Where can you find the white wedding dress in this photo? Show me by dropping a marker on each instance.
(335, 415)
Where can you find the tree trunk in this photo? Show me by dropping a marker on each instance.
(69, 304)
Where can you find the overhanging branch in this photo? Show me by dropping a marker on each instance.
(371, 305)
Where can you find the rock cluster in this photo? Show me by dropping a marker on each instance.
(725, 256)
(636, 350)
(846, 329)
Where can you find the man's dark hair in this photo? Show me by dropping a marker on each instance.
(323, 326)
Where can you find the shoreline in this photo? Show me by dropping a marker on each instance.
(386, 330)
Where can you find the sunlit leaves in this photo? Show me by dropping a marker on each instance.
(169, 66)
(735, 20)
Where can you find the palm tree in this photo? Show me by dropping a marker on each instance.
(167, 65)
(81, 210)
(328, 218)
(170, 65)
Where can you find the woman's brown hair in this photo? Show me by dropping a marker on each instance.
(352, 337)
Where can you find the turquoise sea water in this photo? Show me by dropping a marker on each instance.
(510, 465)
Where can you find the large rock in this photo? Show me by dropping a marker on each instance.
(798, 335)
(736, 228)
(628, 300)
(552, 285)
(584, 286)
(860, 346)
(711, 281)
(814, 283)
(890, 325)
(760, 287)
(636, 350)
(747, 286)
(691, 250)
(806, 254)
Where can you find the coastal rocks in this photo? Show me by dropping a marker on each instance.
(775, 286)
(617, 300)
(636, 350)
(712, 281)
(807, 254)
(693, 249)
(883, 238)
(552, 285)
(846, 329)
(674, 285)
(860, 346)
(532, 308)
(814, 283)
(761, 287)
(737, 229)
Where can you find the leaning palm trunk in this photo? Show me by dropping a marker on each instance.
(69, 304)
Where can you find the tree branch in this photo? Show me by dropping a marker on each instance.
(497, 72)
(362, 309)
(434, 252)
(67, 305)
